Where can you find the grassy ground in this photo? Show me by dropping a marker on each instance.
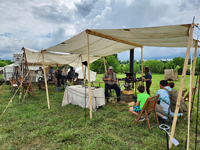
(30, 125)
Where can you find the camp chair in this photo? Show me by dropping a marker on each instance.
(147, 109)
(184, 91)
(14, 85)
(20, 79)
(186, 98)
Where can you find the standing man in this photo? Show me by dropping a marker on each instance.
(111, 82)
(39, 73)
(39, 77)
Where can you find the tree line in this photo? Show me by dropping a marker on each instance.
(156, 66)
(5, 62)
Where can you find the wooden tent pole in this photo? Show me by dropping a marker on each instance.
(141, 62)
(181, 84)
(104, 64)
(45, 79)
(194, 64)
(189, 101)
(83, 69)
(89, 87)
(30, 85)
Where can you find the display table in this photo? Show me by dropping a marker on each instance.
(76, 95)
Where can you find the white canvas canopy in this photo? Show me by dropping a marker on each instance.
(9, 71)
(104, 42)
(52, 59)
(79, 70)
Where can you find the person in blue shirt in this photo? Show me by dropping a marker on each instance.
(51, 71)
(163, 108)
(148, 78)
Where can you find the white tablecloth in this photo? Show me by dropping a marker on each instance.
(76, 96)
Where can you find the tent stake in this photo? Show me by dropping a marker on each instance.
(104, 64)
(89, 87)
(181, 84)
(45, 79)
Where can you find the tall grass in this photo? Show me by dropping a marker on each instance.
(31, 125)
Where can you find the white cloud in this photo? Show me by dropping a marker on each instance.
(44, 23)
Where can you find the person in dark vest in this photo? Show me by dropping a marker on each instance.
(58, 77)
(147, 79)
(111, 82)
(70, 74)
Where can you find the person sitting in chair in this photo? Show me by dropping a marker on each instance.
(111, 82)
(141, 99)
(162, 108)
(51, 71)
(50, 75)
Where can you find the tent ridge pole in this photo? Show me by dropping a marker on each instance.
(111, 38)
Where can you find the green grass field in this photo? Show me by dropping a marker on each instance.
(30, 125)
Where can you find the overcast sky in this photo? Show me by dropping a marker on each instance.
(39, 24)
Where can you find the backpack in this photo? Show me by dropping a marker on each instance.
(173, 95)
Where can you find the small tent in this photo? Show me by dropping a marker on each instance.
(9, 72)
(79, 70)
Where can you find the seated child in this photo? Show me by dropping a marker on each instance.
(141, 99)
(171, 84)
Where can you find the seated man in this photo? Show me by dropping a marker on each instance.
(162, 108)
(51, 71)
(111, 82)
(50, 75)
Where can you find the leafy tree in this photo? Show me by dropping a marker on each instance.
(155, 66)
(179, 61)
(3, 63)
(98, 66)
(197, 65)
(136, 68)
(112, 61)
(169, 65)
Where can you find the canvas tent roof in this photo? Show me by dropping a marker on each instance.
(52, 59)
(104, 42)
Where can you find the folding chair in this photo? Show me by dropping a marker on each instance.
(147, 109)
(186, 98)
(20, 79)
(14, 85)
